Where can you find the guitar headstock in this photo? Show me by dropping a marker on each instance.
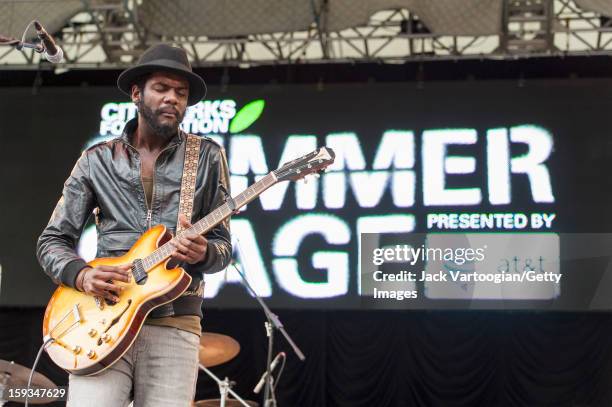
(311, 163)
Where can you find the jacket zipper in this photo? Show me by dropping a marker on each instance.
(149, 217)
(149, 210)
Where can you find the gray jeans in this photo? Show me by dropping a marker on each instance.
(159, 369)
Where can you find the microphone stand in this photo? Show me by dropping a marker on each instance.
(272, 323)
(225, 387)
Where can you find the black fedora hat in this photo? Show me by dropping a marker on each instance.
(166, 58)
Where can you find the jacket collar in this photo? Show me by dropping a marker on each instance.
(130, 128)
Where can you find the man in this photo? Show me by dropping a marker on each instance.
(134, 181)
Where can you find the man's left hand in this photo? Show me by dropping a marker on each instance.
(190, 247)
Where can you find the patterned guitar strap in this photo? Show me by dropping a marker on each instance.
(190, 170)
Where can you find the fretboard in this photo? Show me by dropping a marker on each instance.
(208, 222)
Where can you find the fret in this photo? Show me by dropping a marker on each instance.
(269, 180)
(165, 250)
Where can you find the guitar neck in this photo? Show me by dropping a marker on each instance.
(212, 219)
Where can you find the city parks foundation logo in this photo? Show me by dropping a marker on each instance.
(210, 117)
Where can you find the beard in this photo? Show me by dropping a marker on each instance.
(151, 117)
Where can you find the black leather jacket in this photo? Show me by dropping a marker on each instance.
(107, 176)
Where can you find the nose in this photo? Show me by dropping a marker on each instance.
(171, 97)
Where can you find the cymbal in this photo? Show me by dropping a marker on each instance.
(228, 403)
(17, 377)
(216, 349)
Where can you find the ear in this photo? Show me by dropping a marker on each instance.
(136, 95)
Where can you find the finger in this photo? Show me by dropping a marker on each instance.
(106, 267)
(102, 293)
(123, 269)
(103, 285)
(184, 222)
(112, 275)
(195, 238)
(111, 297)
(179, 256)
(199, 244)
(95, 292)
(196, 250)
(188, 243)
(180, 247)
(195, 255)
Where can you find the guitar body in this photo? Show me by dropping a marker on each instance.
(90, 334)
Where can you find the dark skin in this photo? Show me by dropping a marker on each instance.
(166, 95)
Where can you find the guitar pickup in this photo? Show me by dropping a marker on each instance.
(139, 273)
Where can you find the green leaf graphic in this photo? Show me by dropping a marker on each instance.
(247, 116)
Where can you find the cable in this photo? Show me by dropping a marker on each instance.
(23, 37)
(42, 347)
(275, 383)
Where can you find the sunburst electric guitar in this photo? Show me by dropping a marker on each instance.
(87, 334)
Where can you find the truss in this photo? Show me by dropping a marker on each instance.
(108, 36)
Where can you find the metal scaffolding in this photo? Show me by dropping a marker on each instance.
(108, 35)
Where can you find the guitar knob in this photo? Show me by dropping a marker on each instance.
(91, 354)
(106, 337)
(76, 349)
(92, 332)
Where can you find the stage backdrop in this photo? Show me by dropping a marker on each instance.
(517, 172)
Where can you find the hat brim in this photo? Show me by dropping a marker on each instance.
(197, 86)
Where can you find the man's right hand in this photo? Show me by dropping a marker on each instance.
(99, 281)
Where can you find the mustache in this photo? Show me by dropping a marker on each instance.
(167, 110)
